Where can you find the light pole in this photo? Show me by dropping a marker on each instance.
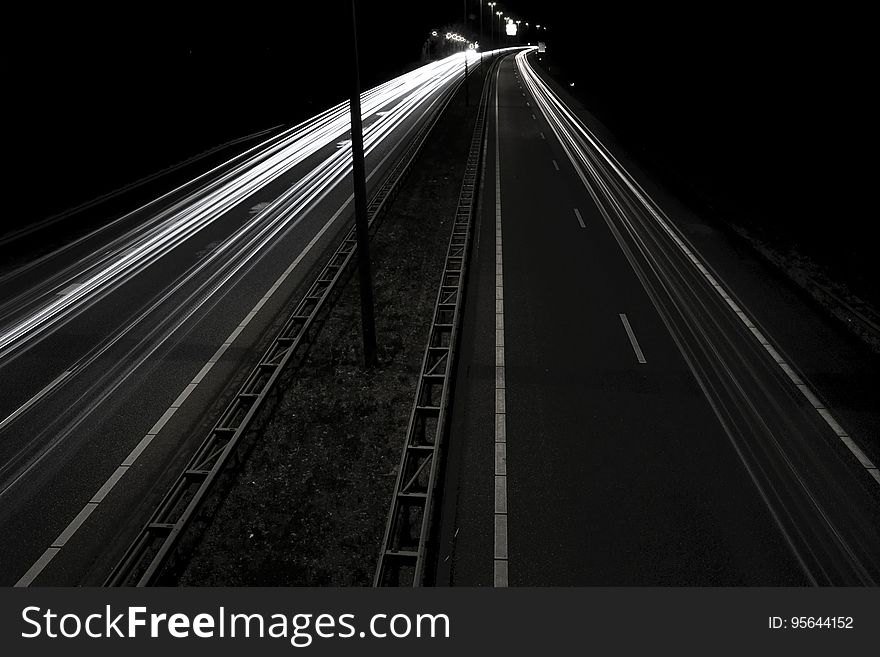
(500, 24)
(492, 22)
(362, 229)
(481, 21)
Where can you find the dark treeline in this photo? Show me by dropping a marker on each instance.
(762, 112)
(761, 109)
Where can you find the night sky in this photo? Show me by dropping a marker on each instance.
(760, 107)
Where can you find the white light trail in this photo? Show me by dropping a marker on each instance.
(34, 314)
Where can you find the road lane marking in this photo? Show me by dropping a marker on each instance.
(555, 165)
(501, 459)
(542, 135)
(109, 484)
(577, 213)
(129, 460)
(666, 224)
(38, 566)
(52, 551)
(632, 338)
(75, 524)
(534, 118)
(500, 561)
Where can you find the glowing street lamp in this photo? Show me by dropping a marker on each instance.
(491, 21)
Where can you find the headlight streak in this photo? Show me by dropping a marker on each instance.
(130, 255)
(134, 252)
(704, 305)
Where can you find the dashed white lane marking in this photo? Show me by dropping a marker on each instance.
(555, 165)
(542, 135)
(786, 368)
(632, 338)
(500, 522)
(577, 213)
(535, 118)
(129, 460)
(663, 220)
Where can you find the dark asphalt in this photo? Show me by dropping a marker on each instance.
(702, 466)
(131, 354)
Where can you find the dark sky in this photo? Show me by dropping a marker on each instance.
(756, 95)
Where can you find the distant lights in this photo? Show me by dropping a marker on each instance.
(433, 33)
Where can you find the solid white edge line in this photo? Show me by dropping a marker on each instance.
(109, 484)
(500, 569)
(811, 398)
(74, 524)
(38, 566)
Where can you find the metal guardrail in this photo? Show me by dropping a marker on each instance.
(143, 562)
(402, 557)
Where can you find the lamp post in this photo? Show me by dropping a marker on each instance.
(492, 22)
(362, 229)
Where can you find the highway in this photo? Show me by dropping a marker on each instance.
(622, 416)
(116, 349)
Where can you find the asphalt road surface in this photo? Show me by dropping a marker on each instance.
(637, 401)
(116, 349)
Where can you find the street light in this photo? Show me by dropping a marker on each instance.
(492, 21)
(481, 21)
(361, 220)
(500, 27)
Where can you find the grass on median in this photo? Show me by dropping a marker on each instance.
(308, 507)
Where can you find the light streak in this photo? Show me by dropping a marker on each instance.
(36, 313)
